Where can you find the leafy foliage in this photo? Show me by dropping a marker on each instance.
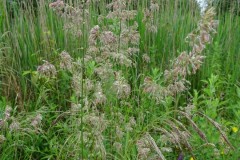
(116, 80)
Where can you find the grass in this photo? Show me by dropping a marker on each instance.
(108, 95)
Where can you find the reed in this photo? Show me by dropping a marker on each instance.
(118, 79)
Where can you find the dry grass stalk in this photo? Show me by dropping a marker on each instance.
(200, 133)
(218, 127)
(169, 136)
(154, 146)
(183, 135)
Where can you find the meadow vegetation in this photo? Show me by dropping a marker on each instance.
(119, 79)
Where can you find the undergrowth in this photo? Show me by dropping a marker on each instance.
(118, 80)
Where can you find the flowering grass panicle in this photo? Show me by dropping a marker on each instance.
(117, 5)
(36, 122)
(7, 113)
(121, 87)
(129, 35)
(143, 149)
(75, 108)
(146, 58)
(149, 18)
(94, 35)
(129, 127)
(99, 97)
(47, 70)
(6, 116)
(118, 146)
(58, 5)
(187, 63)
(73, 16)
(2, 139)
(97, 125)
(104, 72)
(76, 84)
(155, 91)
(14, 126)
(154, 6)
(148, 149)
(119, 133)
(66, 61)
(108, 38)
(120, 11)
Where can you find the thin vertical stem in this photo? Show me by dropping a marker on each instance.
(82, 82)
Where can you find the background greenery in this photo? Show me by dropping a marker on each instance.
(32, 33)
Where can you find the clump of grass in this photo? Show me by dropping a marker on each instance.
(97, 88)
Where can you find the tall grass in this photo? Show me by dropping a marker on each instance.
(99, 94)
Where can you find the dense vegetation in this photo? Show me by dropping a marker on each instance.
(150, 79)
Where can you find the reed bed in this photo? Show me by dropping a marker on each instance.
(119, 79)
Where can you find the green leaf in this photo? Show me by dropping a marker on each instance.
(26, 72)
(238, 92)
